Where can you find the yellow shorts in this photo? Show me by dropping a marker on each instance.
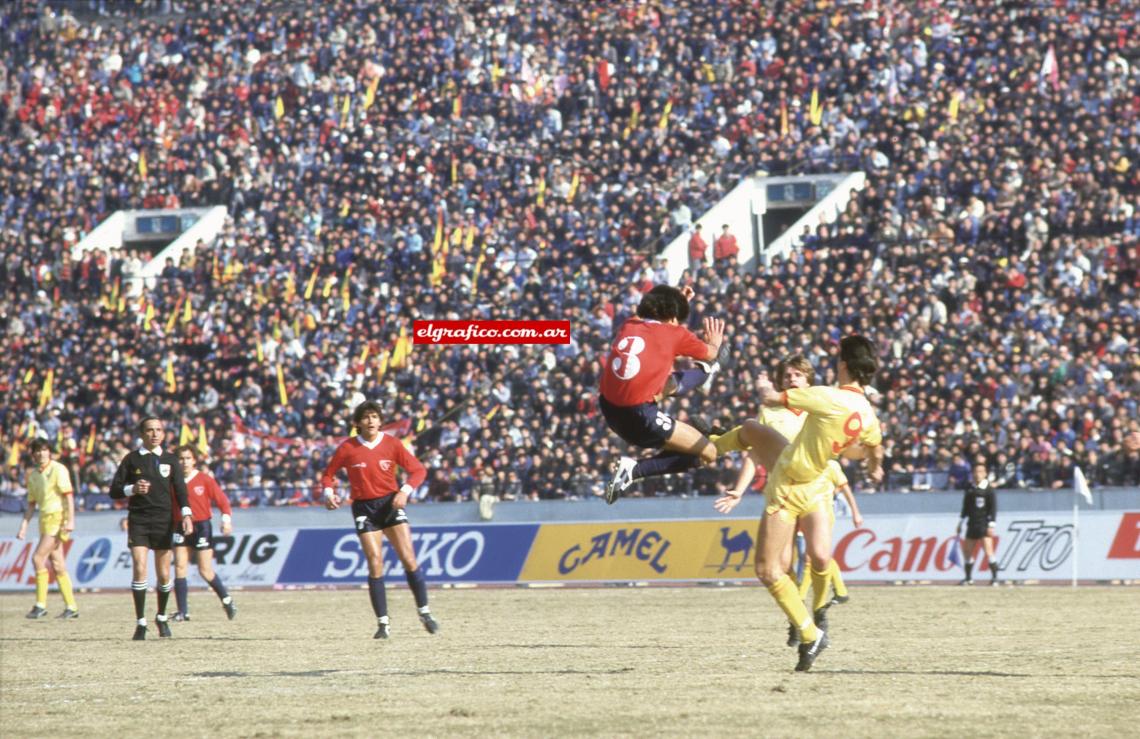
(51, 524)
(794, 500)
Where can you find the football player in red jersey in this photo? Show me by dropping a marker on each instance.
(639, 372)
(203, 490)
(371, 459)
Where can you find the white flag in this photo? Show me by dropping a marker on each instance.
(1081, 485)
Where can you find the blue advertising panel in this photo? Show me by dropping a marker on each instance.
(477, 553)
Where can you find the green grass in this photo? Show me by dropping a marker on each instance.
(905, 661)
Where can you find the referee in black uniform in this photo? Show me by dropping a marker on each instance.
(151, 479)
(979, 512)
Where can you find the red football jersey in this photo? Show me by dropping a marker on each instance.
(641, 359)
(372, 467)
(203, 489)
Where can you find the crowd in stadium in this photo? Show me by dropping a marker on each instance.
(384, 162)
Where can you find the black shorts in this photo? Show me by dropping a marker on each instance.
(976, 529)
(201, 538)
(643, 425)
(377, 514)
(150, 534)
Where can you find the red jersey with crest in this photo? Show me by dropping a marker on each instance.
(641, 359)
(203, 490)
(372, 467)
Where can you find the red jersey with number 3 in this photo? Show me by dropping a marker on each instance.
(372, 467)
(204, 490)
(642, 357)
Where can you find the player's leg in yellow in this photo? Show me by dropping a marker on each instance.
(817, 533)
(59, 564)
(40, 557)
(775, 534)
(729, 441)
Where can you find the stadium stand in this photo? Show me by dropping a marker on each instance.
(551, 150)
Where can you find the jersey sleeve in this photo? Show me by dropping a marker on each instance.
(119, 481)
(966, 503)
(817, 399)
(690, 345)
(417, 473)
(63, 480)
(219, 498)
(991, 506)
(178, 484)
(328, 477)
(872, 434)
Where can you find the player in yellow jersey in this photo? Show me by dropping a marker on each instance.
(840, 421)
(49, 489)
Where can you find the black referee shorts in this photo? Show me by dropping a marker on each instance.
(152, 534)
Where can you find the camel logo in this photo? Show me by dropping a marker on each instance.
(739, 542)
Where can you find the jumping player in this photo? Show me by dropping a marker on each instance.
(203, 490)
(370, 459)
(838, 419)
(152, 481)
(639, 372)
(50, 490)
(979, 513)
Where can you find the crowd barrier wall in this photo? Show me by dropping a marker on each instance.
(1032, 545)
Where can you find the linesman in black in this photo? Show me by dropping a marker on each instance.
(979, 513)
(151, 479)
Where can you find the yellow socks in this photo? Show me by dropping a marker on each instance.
(787, 597)
(728, 442)
(805, 581)
(820, 594)
(65, 590)
(837, 580)
(41, 588)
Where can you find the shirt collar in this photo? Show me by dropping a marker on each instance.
(157, 452)
(192, 475)
(374, 443)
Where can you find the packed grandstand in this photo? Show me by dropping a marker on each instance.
(384, 162)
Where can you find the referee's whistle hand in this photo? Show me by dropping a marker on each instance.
(142, 487)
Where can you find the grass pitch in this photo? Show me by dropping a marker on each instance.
(689, 661)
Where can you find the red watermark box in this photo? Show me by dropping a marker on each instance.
(491, 332)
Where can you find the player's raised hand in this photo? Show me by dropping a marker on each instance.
(728, 501)
(714, 331)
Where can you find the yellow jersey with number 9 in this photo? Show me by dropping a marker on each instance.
(837, 417)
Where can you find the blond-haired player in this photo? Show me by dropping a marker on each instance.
(50, 490)
(840, 421)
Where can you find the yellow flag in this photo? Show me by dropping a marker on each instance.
(174, 314)
(29, 375)
(148, 316)
(382, 365)
(187, 311)
(90, 447)
(282, 395)
(312, 283)
(635, 116)
(783, 118)
(575, 183)
(290, 286)
(370, 93)
(399, 358)
(203, 444)
(328, 288)
(14, 453)
(364, 354)
(142, 164)
(260, 353)
(541, 199)
(469, 238)
(454, 169)
(663, 123)
(122, 307)
(815, 112)
(279, 108)
(492, 412)
(496, 72)
(437, 241)
(438, 269)
(46, 388)
(346, 292)
(457, 107)
(171, 383)
(955, 101)
(185, 436)
(345, 107)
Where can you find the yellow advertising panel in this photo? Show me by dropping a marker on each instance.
(643, 550)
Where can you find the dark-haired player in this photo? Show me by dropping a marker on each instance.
(152, 481)
(203, 491)
(371, 459)
(638, 373)
(50, 490)
(840, 421)
(979, 513)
